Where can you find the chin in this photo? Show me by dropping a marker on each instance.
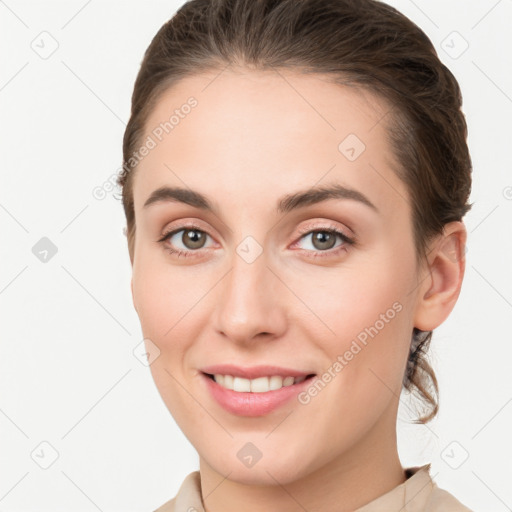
(268, 470)
(271, 473)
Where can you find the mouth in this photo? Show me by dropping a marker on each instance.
(257, 396)
(262, 384)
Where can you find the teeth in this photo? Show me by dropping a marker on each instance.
(259, 385)
(240, 384)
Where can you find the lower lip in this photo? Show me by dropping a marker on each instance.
(253, 404)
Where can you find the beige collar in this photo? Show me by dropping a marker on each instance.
(410, 496)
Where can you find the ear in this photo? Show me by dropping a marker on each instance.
(446, 265)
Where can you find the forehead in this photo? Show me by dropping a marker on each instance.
(269, 132)
(263, 101)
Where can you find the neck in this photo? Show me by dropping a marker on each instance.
(349, 481)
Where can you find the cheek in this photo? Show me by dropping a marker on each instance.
(164, 300)
(370, 354)
(369, 315)
(173, 304)
(163, 293)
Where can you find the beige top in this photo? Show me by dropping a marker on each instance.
(419, 493)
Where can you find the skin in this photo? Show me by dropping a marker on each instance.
(254, 137)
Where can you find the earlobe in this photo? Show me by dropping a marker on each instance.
(446, 266)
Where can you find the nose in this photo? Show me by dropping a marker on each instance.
(251, 302)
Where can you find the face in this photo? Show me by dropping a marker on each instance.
(274, 274)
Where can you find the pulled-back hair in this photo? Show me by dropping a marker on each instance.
(359, 43)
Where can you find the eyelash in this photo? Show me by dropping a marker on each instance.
(347, 241)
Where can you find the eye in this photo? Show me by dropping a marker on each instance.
(184, 241)
(323, 240)
(188, 240)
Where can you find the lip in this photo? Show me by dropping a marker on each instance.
(253, 372)
(253, 404)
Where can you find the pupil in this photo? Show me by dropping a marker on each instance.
(194, 238)
(325, 239)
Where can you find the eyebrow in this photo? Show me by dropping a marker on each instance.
(286, 204)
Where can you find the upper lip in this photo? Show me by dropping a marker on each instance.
(253, 372)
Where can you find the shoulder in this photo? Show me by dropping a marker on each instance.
(441, 500)
(188, 497)
(168, 506)
(423, 493)
(419, 493)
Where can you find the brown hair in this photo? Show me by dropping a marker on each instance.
(361, 43)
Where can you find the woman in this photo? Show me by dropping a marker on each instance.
(294, 182)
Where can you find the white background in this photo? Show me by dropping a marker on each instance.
(68, 375)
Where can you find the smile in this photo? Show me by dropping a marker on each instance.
(256, 396)
(258, 385)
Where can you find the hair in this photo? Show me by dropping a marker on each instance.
(365, 44)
